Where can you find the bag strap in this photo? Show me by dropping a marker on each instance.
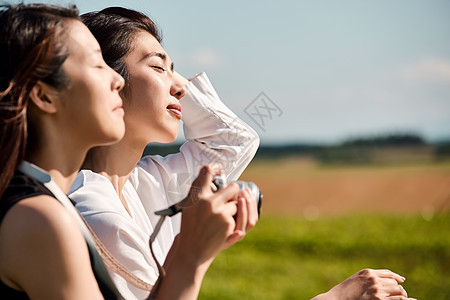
(115, 266)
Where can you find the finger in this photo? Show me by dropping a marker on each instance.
(230, 210)
(387, 281)
(252, 209)
(403, 291)
(204, 176)
(384, 273)
(391, 289)
(228, 193)
(199, 186)
(216, 168)
(241, 214)
(235, 237)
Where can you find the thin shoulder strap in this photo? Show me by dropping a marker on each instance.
(99, 263)
(115, 266)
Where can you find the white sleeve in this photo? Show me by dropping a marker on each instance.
(214, 135)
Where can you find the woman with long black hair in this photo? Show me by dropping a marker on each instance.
(58, 98)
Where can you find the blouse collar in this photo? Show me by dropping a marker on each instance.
(34, 171)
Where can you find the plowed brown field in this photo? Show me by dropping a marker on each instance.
(301, 187)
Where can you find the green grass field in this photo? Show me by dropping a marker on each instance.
(292, 258)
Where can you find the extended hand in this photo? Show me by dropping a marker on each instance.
(369, 284)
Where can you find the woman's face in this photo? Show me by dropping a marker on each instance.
(91, 106)
(152, 107)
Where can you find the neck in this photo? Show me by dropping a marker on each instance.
(115, 162)
(61, 163)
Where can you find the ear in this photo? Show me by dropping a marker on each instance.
(44, 97)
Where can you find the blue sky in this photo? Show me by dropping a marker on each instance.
(328, 70)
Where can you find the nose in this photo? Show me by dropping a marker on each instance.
(177, 89)
(118, 82)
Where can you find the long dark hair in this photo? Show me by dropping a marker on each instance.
(31, 50)
(115, 29)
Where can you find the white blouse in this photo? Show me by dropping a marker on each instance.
(214, 135)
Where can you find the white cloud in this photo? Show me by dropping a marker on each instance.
(428, 70)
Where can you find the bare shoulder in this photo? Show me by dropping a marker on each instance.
(38, 233)
(36, 224)
(38, 217)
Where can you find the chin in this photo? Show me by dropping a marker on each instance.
(169, 137)
(114, 138)
(107, 141)
(168, 140)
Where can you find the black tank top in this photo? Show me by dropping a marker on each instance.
(22, 187)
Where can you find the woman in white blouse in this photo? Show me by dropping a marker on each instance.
(118, 192)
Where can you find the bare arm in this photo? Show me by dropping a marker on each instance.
(44, 252)
(368, 284)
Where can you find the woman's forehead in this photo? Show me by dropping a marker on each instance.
(144, 43)
(80, 40)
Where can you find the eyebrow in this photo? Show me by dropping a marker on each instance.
(160, 55)
(95, 54)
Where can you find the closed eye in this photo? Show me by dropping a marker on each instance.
(101, 65)
(159, 68)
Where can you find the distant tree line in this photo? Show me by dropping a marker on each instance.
(352, 151)
(387, 141)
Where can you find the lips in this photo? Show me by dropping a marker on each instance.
(175, 110)
(119, 108)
